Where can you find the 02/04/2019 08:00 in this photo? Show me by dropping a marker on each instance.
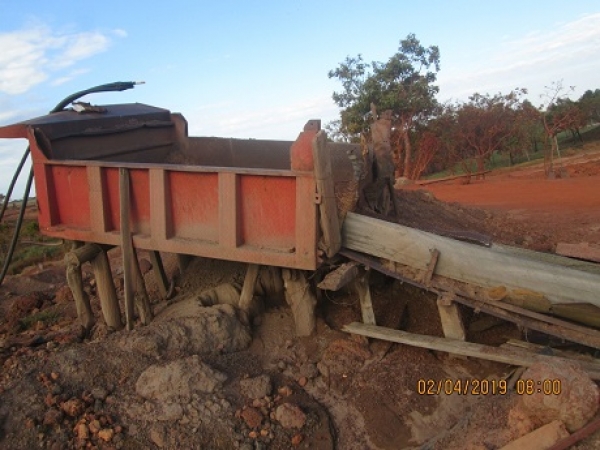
(474, 386)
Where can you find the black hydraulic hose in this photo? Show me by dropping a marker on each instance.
(12, 183)
(110, 87)
(13, 243)
(117, 86)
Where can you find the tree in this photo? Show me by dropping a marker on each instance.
(487, 124)
(404, 84)
(589, 104)
(558, 114)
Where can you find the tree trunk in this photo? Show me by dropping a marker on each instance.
(480, 166)
(407, 155)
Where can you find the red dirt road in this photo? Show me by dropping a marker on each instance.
(564, 210)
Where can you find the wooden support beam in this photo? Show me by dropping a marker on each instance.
(159, 273)
(142, 301)
(361, 284)
(247, 293)
(301, 299)
(330, 223)
(106, 291)
(340, 277)
(552, 329)
(556, 279)
(82, 254)
(435, 254)
(457, 347)
(452, 323)
(127, 247)
(82, 300)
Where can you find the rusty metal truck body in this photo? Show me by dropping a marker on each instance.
(246, 200)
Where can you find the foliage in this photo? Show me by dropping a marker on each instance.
(404, 84)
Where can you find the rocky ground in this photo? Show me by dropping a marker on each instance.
(202, 377)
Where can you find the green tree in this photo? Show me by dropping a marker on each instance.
(404, 84)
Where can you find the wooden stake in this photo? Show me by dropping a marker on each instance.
(302, 301)
(361, 284)
(127, 247)
(106, 291)
(159, 272)
(142, 301)
(82, 300)
(435, 254)
(248, 289)
(73, 260)
(452, 323)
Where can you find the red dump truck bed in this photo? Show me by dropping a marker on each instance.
(245, 200)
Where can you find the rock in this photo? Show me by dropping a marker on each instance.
(179, 379)
(73, 407)
(290, 416)
(285, 391)
(257, 387)
(215, 329)
(297, 439)
(106, 434)
(168, 412)
(95, 426)
(52, 417)
(99, 393)
(83, 431)
(302, 381)
(576, 404)
(252, 417)
(158, 436)
(309, 370)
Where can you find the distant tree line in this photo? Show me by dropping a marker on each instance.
(430, 136)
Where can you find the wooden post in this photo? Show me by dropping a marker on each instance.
(142, 301)
(183, 261)
(435, 254)
(159, 272)
(73, 260)
(106, 291)
(127, 247)
(361, 284)
(330, 224)
(248, 289)
(452, 323)
(302, 301)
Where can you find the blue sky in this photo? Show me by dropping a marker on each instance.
(259, 68)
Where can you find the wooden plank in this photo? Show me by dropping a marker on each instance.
(512, 357)
(160, 220)
(248, 289)
(584, 250)
(361, 283)
(330, 224)
(452, 323)
(541, 438)
(543, 349)
(531, 323)
(340, 277)
(126, 247)
(159, 273)
(469, 263)
(578, 436)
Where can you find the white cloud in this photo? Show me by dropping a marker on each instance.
(266, 122)
(570, 51)
(29, 56)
